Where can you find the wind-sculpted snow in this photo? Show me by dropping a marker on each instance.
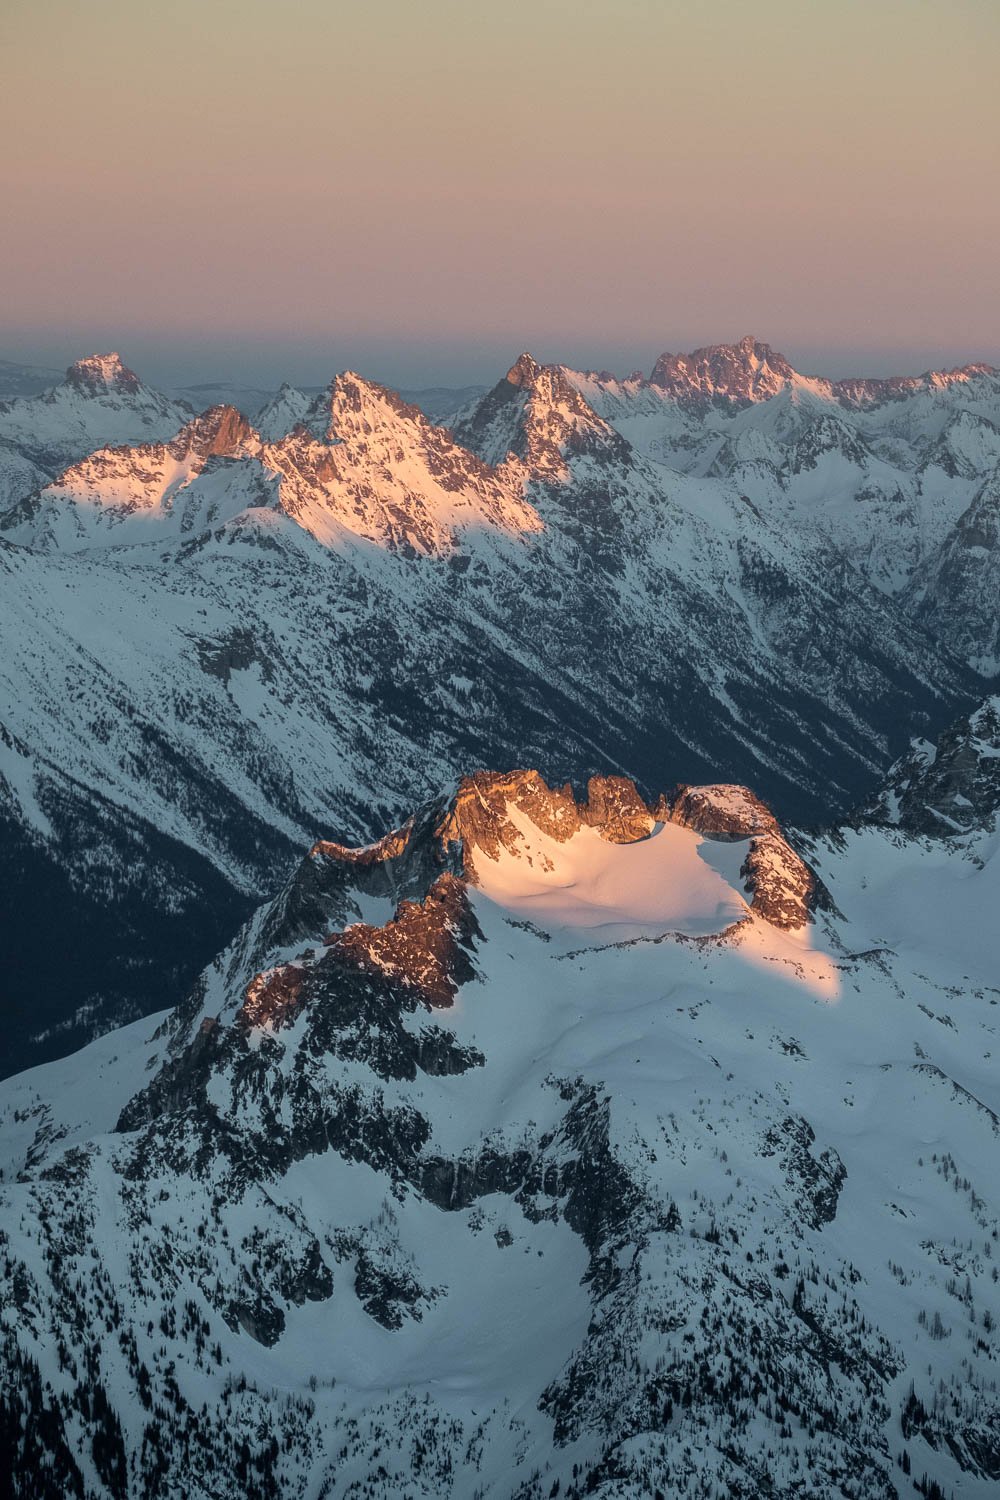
(649, 1215)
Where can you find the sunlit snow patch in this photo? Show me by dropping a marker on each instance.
(615, 891)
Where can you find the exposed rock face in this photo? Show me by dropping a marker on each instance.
(478, 817)
(221, 432)
(98, 374)
(426, 945)
(945, 788)
(616, 810)
(272, 996)
(725, 812)
(784, 889)
(734, 373)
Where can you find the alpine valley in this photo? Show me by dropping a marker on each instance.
(622, 1126)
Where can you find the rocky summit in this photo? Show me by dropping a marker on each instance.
(554, 1143)
(228, 634)
(621, 1126)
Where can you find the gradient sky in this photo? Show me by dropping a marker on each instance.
(421, 188)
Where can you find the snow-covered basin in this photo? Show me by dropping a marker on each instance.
(672, 881)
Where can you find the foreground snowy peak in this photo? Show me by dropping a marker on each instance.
(605, 868)
(469, 1169)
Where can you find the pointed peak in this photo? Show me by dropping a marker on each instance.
(221, 430)
(524, 371)
(99, 374)
(353, 403)
(536, 414)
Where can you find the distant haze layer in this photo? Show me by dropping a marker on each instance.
(422, 190)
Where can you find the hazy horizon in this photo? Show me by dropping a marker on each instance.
(412, 368)
(258, 192)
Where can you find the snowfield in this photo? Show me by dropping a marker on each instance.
(657, 1210)
(509, 1140)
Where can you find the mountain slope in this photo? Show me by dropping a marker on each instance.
(245, 643)
(548, 1145)
(881, 470)
(100, 401)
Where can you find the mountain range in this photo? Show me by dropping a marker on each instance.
(225, 638)
(622, 1125)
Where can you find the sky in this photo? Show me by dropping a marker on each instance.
(420, 189)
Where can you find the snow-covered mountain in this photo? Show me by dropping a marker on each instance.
(274, 413)
(548, 1146)
(101, 401)
(946, 787)
(219, 645)
(890, 472)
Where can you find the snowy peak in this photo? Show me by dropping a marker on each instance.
(221, 432)
(750, 371)
(142, 492)
(101, 402)
(710, 1235)
(366, 464)
(500, 829)
(537, 416)
(282, 413)
(740, 374)
(353, 407)
(101, 375)
(363, 464)
(413, 910)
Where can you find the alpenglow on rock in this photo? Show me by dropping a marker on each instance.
(548, 1144)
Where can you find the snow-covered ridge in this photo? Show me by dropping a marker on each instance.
(750, 371)
(360, 463)
(608, 868)
(410, 1191)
